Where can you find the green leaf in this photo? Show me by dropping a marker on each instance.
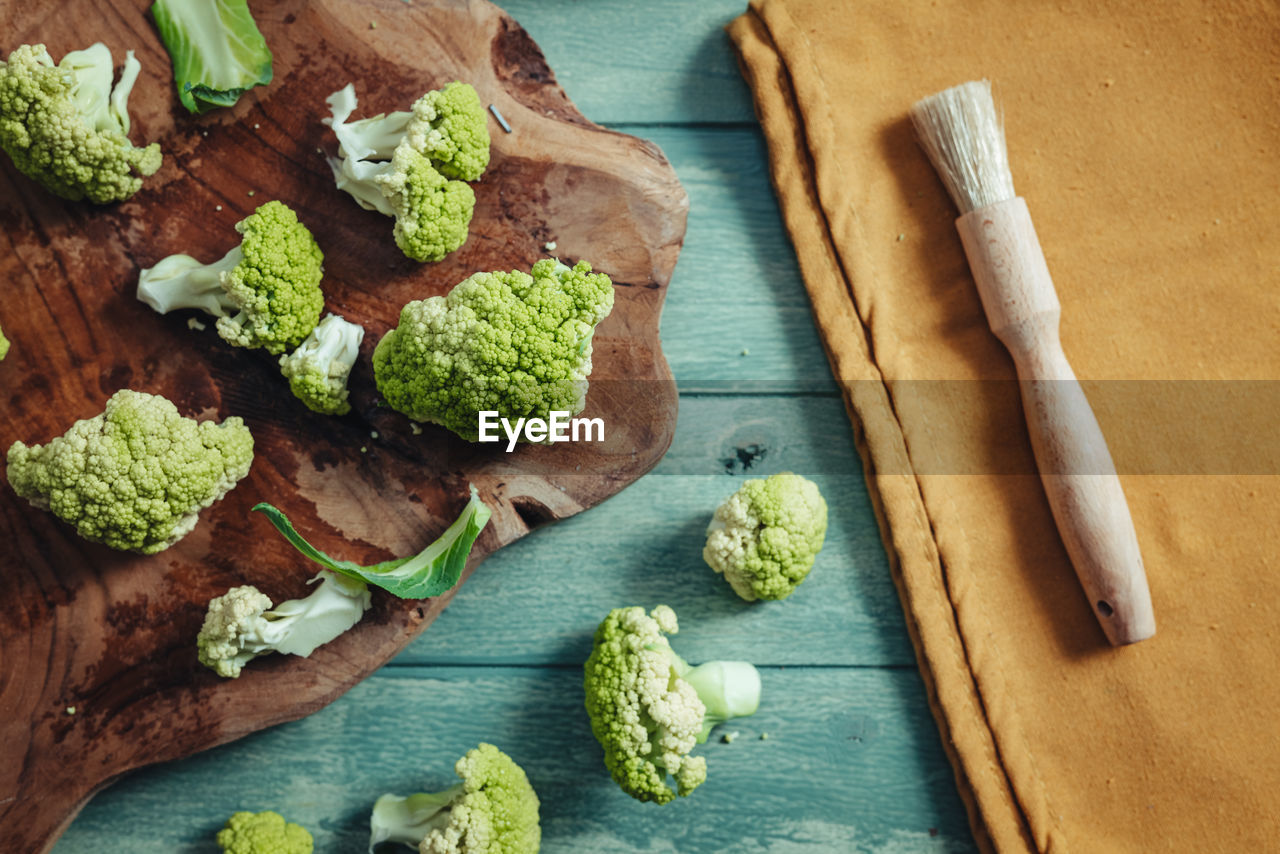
(434, 570)
(217, 50)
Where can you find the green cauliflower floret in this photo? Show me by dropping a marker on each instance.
(648, 707)
(276, 286)
(135, 477)
(264, 292)
(514, 343)
(449, 126)
(493, 810)
(318, 370)
(241, 624)
(263, 833)
(432, 213)
(764, 538)
(412, 164)
(66, 127)
(4, 346)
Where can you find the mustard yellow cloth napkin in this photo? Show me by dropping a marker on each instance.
(1146, 140)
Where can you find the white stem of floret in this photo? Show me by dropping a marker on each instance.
(729, 689)
(91, 71)
(408, 819)
(341, 105)
(120, 94)
(365, 147)
(377, 137)
(299, 626)
(374, 138)
(356, 177)
(335, 343)
(181, 281)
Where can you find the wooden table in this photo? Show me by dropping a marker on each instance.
(852, 762)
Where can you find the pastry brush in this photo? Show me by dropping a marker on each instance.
(962, 135)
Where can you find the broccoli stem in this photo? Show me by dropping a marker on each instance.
(408, 820)
(729, 689)
(181, 281)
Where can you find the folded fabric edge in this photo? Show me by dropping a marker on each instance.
(915, 564)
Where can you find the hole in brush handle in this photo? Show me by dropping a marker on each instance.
(1104, 608)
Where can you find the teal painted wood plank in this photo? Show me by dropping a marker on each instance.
(850, 767)
(738, 265)
(624, 553)
(736, 286)
(751, 434)
(665, 61)
(644, 547)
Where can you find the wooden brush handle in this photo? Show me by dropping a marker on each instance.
(1075, 466)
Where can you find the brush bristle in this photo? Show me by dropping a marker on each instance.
(961, 133)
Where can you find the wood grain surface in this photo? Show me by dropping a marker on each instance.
(111, 634)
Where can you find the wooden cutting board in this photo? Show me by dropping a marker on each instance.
(113, 634)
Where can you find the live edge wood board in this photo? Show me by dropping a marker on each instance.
(112, 634)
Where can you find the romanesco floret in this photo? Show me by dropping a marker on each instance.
(66, 127)
(263, 833)
(241, 624)
(264, 292)
(493, 810)
(412, 164)
(764, 538)
(648, 707)
(135, 477)
(514, 343)
(318, 370)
